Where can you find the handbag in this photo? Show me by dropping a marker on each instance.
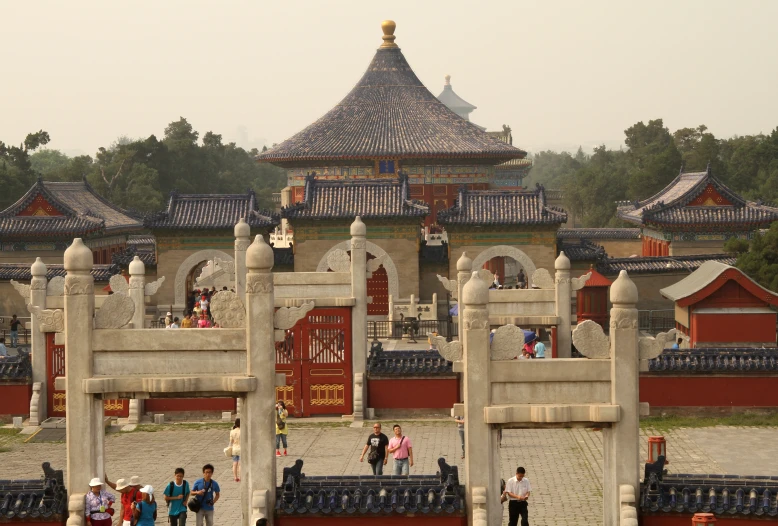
(373, 456)
(196, 503)
(280, 424)
(228, 451)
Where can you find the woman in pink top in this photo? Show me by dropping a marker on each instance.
(402, 449)
(203, 322)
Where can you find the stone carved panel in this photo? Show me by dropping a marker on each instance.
(136, 283)
(449, 284)
(339, 261)
(56, 286)
(38, 283)
(51, 320)
(542, 279)
(591, 341)
(476, 319)
(451, 351)
(286, 317)
(579, 282)
(624, 318)
(651, 347)
(116, 312)
(242, 245)
(79, 285)
(153, 287)
(228, 310)
(22, 289)
(487, 276)
(359, 243)
(259, 283)
(507, 342)
(119, 284)
(374, 264)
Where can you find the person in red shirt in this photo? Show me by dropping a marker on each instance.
(130, 492)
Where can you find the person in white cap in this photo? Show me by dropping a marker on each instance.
(168, 319)
(145, 511)
(98, 508)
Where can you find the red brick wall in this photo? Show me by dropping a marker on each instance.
(369, 519)
(15, 399)
(412, 393)
(733, 327)
(709, 391)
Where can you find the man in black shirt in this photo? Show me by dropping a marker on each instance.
(15, 324)
(377, 443)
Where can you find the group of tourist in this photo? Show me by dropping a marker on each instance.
(197, 314)
(379, 446)
(521, 282)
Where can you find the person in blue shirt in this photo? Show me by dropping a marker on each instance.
(677, 344)
(177, 496)
(145, 511)
(540, 349)
(207, 490)
(3, 349)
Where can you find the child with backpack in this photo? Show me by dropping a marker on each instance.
(145, 511)
(177, 495)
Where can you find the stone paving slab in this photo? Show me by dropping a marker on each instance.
(564, 465)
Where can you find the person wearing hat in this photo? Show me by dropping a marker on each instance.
(168, 319)
(98, 508)
(145, 511)
(130, 493)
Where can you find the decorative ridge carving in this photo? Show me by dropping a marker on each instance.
(286, 317)
(228, 309)
(591, 341)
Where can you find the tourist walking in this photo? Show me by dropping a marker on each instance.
(540, 350)
(235, 445)
(15, 323)
(518, 490)
(168, 319)
(377, 443)
(177, 495)
(129, 494)
(145, 511)
(207, 490)
(460, 420)
(402, 451)
(98, 508)
(281, 430)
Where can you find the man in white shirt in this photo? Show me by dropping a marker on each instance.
(517, 490)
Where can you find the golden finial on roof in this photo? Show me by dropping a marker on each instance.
(448, 80)
(388, 27)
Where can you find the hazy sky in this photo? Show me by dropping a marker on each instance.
(560, 73)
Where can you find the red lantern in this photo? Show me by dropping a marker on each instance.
(657, 447)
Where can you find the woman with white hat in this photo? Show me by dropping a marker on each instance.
(145, 511)
(98, 508)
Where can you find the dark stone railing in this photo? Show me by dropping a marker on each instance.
(406, 363)
(33, 500)
(16, 369)
(360, 494)
(716, 360)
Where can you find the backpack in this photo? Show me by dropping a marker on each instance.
(280, 422)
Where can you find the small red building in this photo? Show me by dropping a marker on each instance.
(718, 305)
(592, 299)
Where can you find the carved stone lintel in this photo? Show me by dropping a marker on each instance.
(56, 286)
(116, 312)
(542, 279)
(227, 264)
(579, 282)
(228, 310)
(22, 289)
(79, 285)
(51, 320)
(118, 283)
(242, 245)
(151, 288)
(451, 351)
(624, 318)
(507, 342)
(358, 243)
(286, 317)
(476, 319)
(258, 283)
(591, 341)
(339, 261)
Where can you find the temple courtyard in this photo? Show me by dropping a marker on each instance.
(564, 465)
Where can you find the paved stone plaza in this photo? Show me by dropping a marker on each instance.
(564, 465)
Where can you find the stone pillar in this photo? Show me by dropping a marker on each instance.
(479, 455)
(464, 268)
(359, 312)
(84, 413)
(564, 293)
(242, 242)
(435, 306)
(38, 344)
(258, 430)
(621, 441)
(138, 296)
(413, 307)
(391, 308)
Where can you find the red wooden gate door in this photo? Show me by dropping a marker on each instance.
(317, 363)
(55, 363)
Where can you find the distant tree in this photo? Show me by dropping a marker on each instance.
(759, 258)
(698, 147)
(16, 171)
(654, 160)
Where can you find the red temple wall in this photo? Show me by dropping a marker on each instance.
(709, 391)
(412, 393)
(372, 520)
(15, 399)
(731, 294)
(733, 327)
(677, 519)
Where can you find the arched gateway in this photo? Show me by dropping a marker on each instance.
(506, 251)
(186, 267)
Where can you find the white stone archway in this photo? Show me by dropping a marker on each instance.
(186, 267)
(511, 252)
(376, 251)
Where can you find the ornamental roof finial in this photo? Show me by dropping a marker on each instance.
(448, 80)
(388, 27)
